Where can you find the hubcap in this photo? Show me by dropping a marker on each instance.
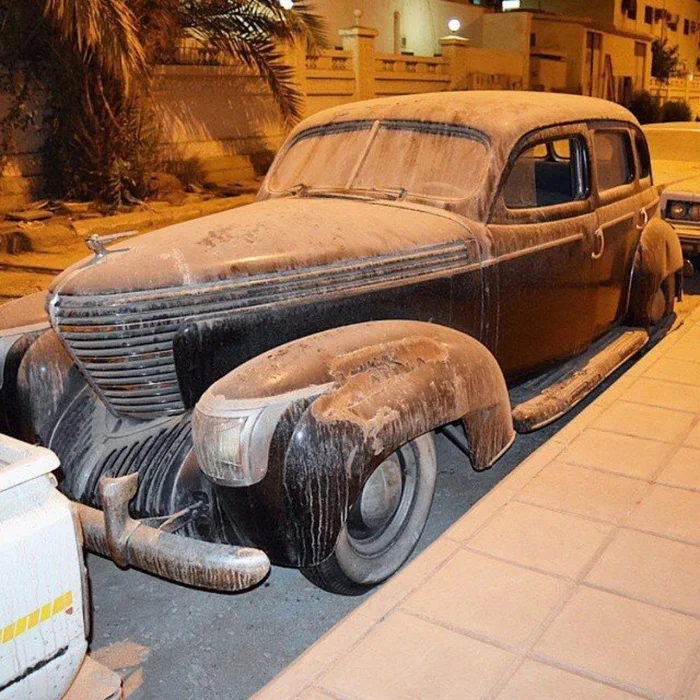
(380, 512)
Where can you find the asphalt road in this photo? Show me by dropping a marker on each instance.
(180, 643)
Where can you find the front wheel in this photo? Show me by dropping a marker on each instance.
(384, 524)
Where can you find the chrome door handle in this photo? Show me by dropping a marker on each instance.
(645, 219)
(599, 244)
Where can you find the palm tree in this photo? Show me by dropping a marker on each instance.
(92, 58)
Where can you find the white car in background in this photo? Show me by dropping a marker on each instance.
(675, 154)
(44, 605)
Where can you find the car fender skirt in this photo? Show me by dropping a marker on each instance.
(134, 543)
(380, 385)
(659, 255)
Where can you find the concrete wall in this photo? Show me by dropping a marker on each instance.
(421, 24)
(567, 39)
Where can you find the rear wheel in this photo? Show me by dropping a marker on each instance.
(663, 301)
(384, 524)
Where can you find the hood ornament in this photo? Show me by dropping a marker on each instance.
(97, 243)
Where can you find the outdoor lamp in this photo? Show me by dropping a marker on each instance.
(287, 4)
(454, 25)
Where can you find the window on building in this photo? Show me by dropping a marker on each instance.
(550, 173)
(613, 157)
(629, 8)
(648, 14)
(686, 27)
(672, 22)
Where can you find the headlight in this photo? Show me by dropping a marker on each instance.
(695, 212)
(222, 445)
(677, 210)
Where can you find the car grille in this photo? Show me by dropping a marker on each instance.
(124, 342)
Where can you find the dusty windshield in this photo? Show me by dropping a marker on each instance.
(397, 157)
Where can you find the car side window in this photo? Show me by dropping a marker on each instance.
(613, 156)
(548, 173)
(640, 145)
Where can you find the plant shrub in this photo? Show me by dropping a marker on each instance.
(676, 111)
(645, 107)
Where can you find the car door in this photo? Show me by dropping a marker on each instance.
(619, 203)
(542, 229)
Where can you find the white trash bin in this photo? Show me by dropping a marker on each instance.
(43, 585)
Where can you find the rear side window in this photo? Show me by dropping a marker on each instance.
(613, 155)
(640, 144)
(552, 172)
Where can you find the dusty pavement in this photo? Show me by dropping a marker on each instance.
(177, 643)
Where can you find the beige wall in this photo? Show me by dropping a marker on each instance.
(422, 22)
(566, 38)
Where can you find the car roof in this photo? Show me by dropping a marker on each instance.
(500, 114)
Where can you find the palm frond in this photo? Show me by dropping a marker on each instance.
(253, 32)
(104, 30)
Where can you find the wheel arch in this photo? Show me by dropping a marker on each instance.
(658, 256)
(371, 388)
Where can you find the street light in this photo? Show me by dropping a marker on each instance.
(454, 25)
(287, 4)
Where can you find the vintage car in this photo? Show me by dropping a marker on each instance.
(263, 384)
(675, 153)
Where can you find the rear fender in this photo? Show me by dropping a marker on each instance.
(370, 388)
(659, 255)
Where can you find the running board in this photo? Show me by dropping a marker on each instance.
(542, 400)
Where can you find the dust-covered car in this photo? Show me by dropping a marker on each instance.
(675, 152)
(264, 384)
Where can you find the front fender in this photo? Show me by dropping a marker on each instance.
(359, 393)
(659, 255)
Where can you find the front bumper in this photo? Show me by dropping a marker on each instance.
(689, 236)
(113, 533)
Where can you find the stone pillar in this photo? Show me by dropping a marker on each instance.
(360, 42)
(295, 57)
(454, 51)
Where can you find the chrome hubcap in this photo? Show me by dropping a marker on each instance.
(380, 512)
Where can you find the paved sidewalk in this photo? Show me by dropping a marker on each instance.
(577, 577)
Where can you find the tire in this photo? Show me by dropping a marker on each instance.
(384, 524)
(663, 301)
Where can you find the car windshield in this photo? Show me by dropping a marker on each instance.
(394, 157)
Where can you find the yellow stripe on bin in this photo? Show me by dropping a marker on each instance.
(35, 617)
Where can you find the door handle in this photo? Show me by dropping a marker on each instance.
(645, 219)
(599, 245)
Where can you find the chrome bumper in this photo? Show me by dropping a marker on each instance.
(114, 533)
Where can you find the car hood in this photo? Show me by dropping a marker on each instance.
(268, 236)
(677, 175)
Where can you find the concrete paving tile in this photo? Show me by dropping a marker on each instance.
(400, 585)
(694, 693)
(622, 640)
(623, 454)
(671, 370)
(669, 511)
(540, 458)
(579, 424)
(554, 542)
(694, 332)
(650, 568)
(693, 439)
(683, 469)
(652, 422)
(687, 349)
(406, 657)
(303, 672)
(536, 681)
(657, 392)
(493, 599)
(314, 694)
(583, 491)
(479, 513)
